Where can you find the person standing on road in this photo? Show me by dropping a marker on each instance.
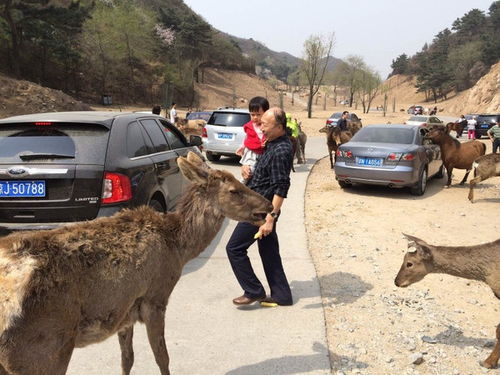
(173, 114)
(271, 179)
(342, 123)
(471, 128)
(462, 123)
(494, 134)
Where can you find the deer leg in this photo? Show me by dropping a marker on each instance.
(492, 360)
(473, 183)
(465, 177)
(449, 170)
(154, 318)
(331, 159)
(125, 339)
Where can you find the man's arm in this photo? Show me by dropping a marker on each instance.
(267, 227)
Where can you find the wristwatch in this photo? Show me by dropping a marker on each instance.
(274, 215)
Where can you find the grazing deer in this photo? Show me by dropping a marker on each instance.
(484, 167)
(480, 262)
(334, 138)
(78, 285)
(455, 154)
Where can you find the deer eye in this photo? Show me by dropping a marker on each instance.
(234, 191)
(409, 264)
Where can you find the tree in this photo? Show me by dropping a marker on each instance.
(369, 87)
(317, 51)
(350, 75)
(400, 65)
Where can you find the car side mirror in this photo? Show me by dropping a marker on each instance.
(195, 140)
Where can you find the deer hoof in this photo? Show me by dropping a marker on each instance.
(486, 364)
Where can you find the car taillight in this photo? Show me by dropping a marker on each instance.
(116, 188)
(424, 124)
(394, 156)
(408, 156)
(43, 123)
(345, 154)
(204, 133)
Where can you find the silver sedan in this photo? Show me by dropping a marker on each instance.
(390, 155)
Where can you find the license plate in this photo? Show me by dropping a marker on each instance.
(484, 126)
(225, 136)
(373, 162)
(12, 189)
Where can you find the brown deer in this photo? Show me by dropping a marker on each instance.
(480, 262)
(484, 167)
(78, 285)
(456, 154)
(334, 138)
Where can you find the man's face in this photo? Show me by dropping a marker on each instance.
(269, 126)
(256, 116)
(344, 116)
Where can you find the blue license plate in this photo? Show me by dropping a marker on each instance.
(225, 136)
(372, 162)
(13, 189)
(484, 126)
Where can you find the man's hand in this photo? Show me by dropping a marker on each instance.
(267, 227)
(246, 172)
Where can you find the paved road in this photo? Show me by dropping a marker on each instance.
(207, 334)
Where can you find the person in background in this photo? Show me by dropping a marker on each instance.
(462, 122)
(156, 110)
(494, 134)
(173, 114)
(292, 125)
(253, 145)
(342, 123)
(190, 109)
(471, 128)
(271, 179)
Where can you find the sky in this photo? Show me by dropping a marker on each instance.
(377, 30)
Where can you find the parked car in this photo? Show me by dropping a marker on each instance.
(485, 122)
(335, 117)
(223, 134)
(426, 121)
(390, 155)
(416, 110)
(205, 115)
(63, 167)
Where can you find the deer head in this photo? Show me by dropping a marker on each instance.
(416, 264)
(230, 197)
(435, 134)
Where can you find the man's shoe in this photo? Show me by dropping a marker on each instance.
(244, 300)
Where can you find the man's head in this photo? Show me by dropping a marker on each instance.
(273, 123)
(173, 104)
(345, 114)
(257, 106)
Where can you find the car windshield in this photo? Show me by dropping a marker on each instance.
(199, 115)
(71, 143)
(384, 135)
(491, 118)
(336, 115)
(418, 118)
(229, 119)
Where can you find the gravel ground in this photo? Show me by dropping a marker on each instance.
(441, 325)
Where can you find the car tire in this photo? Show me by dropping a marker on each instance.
(419, 188)
(156, 205)
(440, 173)
(343, 184)
(212, 157)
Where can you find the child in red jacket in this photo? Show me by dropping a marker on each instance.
(253, 146)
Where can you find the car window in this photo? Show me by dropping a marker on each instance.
(174, 139)
(336, 115)
(384, 135)
(156, 135)
(418, 118)
(68, 143)
(229, 119)
(486, 118)
(136, 141)
(434, 120)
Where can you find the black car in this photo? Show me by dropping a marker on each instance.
(485, 122)
(58, 168)
(351, 117)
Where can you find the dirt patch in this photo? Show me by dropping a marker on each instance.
(24, 97)
(355, 239)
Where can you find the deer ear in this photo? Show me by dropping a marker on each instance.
(193, 172)
(424, 251)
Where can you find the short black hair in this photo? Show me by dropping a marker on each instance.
(345, 112)
(156, 110)
(257, 103)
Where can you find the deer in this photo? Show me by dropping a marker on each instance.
(77, 285)
(334, 138)
(455, 154)
(480, 262)
(485, 167)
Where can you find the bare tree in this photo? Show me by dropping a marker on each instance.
(317, 51)
(349, 72)
(369, 87)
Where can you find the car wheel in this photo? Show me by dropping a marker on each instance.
(212, 157)
(344, 184)
(440, 173)
(419, 188)
(156, 205)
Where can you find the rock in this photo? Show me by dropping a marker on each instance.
(429, 340)
(489, 344)
(416, 358)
